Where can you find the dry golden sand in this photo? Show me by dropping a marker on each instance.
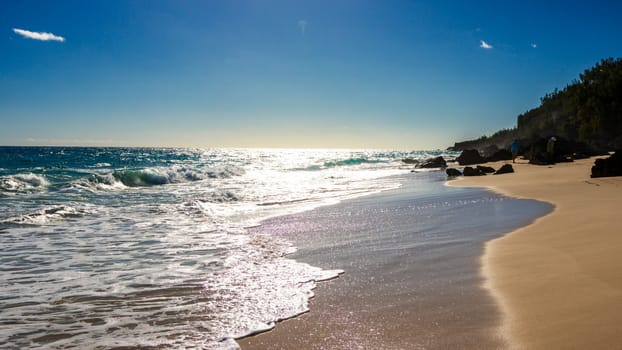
(559, 280)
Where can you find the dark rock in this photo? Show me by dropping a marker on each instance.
(600, 152)
(562, 146)
(502, 154)
(410, 161)
(468, 171)
(452, 172)
(437, 162)
(563, 151)
(611, 166)
(537, 152)
(469, 157)
(581, 149)
(505, 169)
(485, 169)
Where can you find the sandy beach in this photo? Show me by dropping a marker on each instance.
(558, 281)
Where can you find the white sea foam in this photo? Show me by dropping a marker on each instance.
(49, 215)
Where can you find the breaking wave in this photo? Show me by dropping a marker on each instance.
(115, 180)
(162, 176)
(22, 183)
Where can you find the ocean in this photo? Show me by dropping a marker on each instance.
(155, 247)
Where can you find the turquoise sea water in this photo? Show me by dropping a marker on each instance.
(112, 247)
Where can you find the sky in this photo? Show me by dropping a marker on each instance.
(319, 73)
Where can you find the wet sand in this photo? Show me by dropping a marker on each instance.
(559, 280)
(412, 269)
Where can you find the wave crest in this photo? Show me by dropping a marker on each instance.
(22, 182)
(147, 177)
(162, 176)
(141, 178)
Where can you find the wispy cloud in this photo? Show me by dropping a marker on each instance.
(484, 45)
(533, 45)
(302, 24)
(38, 35)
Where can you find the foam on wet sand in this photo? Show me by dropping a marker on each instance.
(412, 269)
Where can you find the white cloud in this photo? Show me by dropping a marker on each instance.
(303, 26)
(534, 45)
(484, 45)
(38, 35)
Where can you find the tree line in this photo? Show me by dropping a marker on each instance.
(587, 112)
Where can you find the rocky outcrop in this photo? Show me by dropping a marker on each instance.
(470, 157)
(502, 154)
(437, 162)
(505, 169)
(611, 166)
(563, 151)
(485, 169)
(469, 171)
(452, 172)
(540, 159)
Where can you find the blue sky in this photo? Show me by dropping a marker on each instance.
(233, 73)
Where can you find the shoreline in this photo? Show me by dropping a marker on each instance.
(556, 280)
(408, 282)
